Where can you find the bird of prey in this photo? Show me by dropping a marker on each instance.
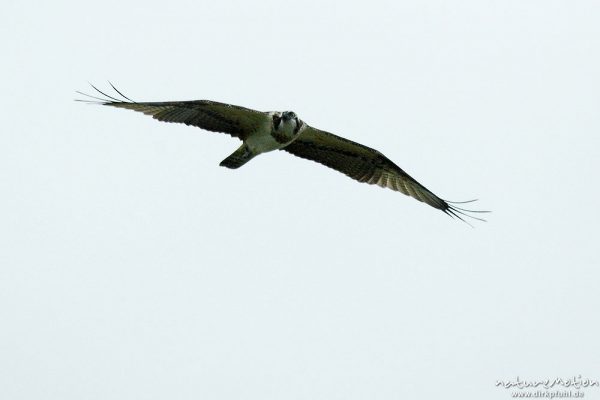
(262, 132)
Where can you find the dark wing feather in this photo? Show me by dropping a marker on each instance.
(363, 164)
(209, 115)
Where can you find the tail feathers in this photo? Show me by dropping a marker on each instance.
(238, 158)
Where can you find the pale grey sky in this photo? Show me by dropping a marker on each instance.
(134, 267)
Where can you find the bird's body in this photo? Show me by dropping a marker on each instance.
(273, 135)
(262, 132)
(262, 140)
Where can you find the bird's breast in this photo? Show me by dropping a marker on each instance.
(263, 140)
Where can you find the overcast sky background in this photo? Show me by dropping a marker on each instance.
(134, 267)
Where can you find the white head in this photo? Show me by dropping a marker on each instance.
(287, 124)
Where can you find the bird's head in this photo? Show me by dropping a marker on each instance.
(287, 123)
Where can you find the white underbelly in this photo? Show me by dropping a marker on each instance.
(261, 142)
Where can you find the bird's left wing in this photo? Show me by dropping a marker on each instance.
(363, 164)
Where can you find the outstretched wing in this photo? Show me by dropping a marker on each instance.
(363, 164)
(209, 115)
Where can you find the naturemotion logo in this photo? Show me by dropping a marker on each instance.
(549, 388)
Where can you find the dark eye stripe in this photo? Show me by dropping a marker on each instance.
(276, 121)
(297, 128)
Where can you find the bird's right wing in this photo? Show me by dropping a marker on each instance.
(212, 116)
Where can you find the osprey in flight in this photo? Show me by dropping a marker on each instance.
(261, 132)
